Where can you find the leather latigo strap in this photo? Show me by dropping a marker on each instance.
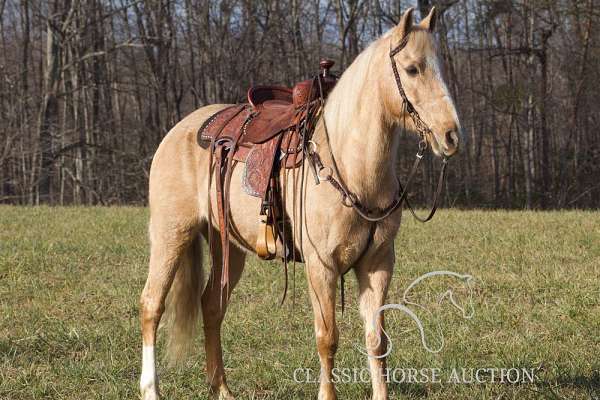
(222, 214)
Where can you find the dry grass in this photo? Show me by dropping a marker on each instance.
(70, 280)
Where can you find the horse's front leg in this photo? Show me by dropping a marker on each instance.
(322, 283)
(374, 275)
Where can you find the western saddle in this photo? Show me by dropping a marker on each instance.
(270, 132)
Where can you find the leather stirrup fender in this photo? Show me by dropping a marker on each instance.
(266, 245)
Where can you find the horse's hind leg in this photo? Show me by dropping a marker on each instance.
(169, 241)
(214, 306)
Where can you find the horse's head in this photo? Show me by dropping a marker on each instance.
(419, 71)
(459, 293)
(461, 297)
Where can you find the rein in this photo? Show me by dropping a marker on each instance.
(349, 199)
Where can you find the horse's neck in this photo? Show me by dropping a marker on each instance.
(362, 142)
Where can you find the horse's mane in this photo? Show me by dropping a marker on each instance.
(357, 82)
(351, 88)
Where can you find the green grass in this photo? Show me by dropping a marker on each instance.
(70, 279)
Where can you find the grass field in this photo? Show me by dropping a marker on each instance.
(70, 279)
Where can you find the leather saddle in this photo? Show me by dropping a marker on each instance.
(266, 134)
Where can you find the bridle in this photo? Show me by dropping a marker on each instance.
(349, 199)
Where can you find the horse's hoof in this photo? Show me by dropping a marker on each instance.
(150, 394)
(222, 393)
(328, 394)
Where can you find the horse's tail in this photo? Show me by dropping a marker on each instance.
(183, 303)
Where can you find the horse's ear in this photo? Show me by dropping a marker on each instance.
(404, 26)
(429, 21)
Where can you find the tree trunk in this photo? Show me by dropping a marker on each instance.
(424, 7)
(48, 120)
(529, 162)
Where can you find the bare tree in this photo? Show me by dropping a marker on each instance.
(83, 110)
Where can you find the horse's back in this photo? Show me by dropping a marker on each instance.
(185, 131)
(180, 165)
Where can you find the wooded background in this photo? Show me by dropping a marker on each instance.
(88, 88)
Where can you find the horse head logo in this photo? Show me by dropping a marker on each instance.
(413, 309)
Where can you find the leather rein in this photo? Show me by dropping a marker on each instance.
(349, 199)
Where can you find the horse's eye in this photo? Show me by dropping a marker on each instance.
(412, 70)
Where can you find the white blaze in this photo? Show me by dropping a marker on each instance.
(433, 63)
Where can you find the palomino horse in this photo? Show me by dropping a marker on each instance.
(362, 116)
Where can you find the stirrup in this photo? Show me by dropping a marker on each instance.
(266, 244)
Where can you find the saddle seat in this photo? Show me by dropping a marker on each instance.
(273, 112)
(269, 95)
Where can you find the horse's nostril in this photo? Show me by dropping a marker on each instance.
(451, 138)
